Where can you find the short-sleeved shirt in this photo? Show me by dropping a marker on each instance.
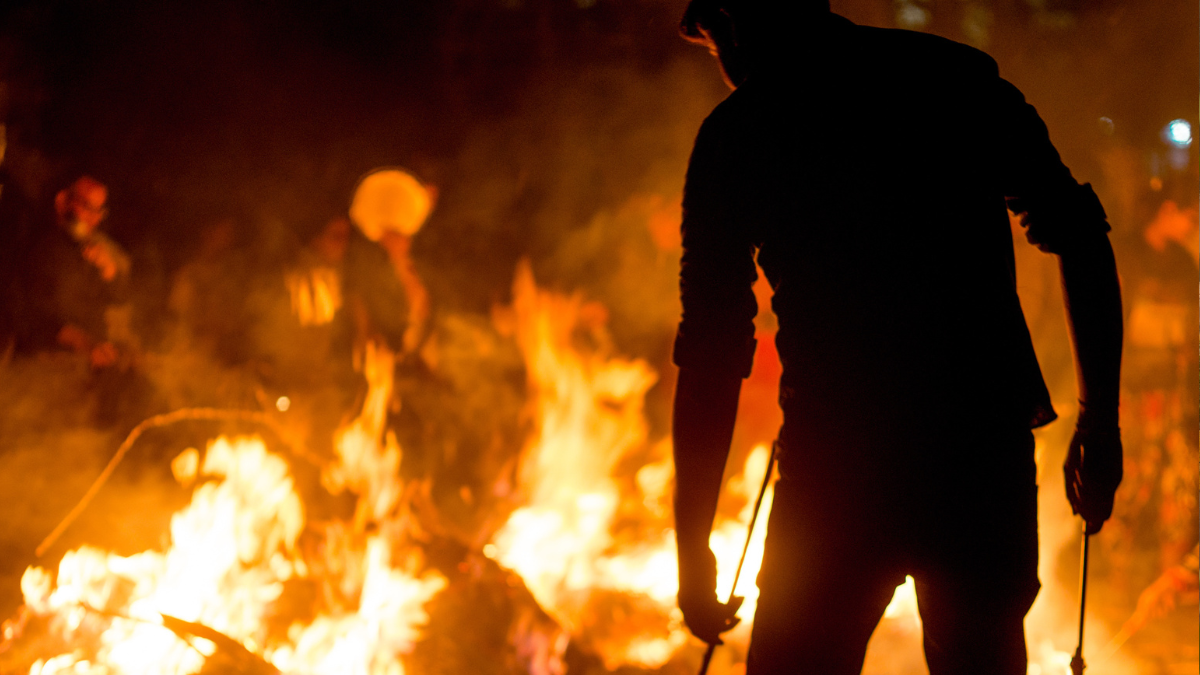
(868, 175)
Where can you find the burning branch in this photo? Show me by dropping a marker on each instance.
(230, 656)
(157, 421)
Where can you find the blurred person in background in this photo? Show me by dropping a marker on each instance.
(910, 385)
(207, 292)
(314, 362)
(315, 280)
(1155, 521)
(1176, 588)
(76, 277)
(385, 295)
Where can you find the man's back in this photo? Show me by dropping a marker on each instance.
(867, 171)
(871, 172)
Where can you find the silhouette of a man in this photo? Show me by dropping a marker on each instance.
(867, 171)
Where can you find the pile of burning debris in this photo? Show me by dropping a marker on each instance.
(580, 577)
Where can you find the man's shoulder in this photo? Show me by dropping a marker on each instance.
(907, 46)
(726, 118)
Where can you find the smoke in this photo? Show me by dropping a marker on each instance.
(52, 450)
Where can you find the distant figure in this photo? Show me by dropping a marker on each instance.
(867, 171)
(76, 275)
(208, 292)
(1158, 495)
(319, 332)
(315, 281)
(387, 299)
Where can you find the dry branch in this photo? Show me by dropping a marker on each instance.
(165, 419)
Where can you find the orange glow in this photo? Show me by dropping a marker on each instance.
(316, 295)
(591, 537)
(571, 542)
(232, 550)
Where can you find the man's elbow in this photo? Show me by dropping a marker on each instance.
(1091, 250)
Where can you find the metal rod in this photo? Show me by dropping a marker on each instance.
(707, 658)
(762, 492)
(1077, 664)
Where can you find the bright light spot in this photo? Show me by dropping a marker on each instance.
(283, 403)
(489, 550)
(1178, 133)
(911, 16)
(1107, 127)
(904, 601)
(185, 465)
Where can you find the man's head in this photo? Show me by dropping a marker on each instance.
(742, 33)
(81, 206)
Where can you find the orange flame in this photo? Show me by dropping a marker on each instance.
(316, 294)
(569, 541)
(232, 550)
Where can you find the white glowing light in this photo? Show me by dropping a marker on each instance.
(912, 17)
(283, 403)
(1178, 133)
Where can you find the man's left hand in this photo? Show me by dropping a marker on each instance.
(1093, 471)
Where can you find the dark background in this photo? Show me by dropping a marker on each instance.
(530, 115)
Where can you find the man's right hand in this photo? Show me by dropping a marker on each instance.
(705, 615)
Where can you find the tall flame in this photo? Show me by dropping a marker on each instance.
(572, 541)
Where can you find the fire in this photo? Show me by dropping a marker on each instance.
(316, 294)
(591, 539)
(234, 549)
(904, 602)
(591, 544)
(587, 535)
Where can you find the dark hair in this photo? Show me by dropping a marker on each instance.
(699, 18)
(751, 16)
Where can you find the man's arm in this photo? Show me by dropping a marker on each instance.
(714, 350)
(1065, 218)
(1092, 294)
(704, 416)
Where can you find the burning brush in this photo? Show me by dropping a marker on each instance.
(235, 561)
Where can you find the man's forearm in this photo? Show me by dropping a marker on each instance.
(704, 416)
(1092, 294)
